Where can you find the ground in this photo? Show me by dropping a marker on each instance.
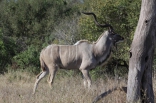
(17, 88)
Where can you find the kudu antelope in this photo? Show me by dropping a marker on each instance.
(83, 55)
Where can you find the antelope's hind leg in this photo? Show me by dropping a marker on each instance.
(52, 72)
(38, 78)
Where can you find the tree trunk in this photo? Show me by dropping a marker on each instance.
(140, 86)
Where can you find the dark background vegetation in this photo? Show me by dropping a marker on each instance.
(27, 26)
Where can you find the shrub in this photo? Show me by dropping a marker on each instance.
(28, 59)
(7, 51)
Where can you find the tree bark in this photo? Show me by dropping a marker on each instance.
(139, 87)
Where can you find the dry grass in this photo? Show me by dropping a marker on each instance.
(17, 88)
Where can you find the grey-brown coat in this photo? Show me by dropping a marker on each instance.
(83, 55)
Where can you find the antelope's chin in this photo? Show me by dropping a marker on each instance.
(119, 41)
(115, 43)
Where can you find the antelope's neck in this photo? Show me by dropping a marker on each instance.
(102, 50)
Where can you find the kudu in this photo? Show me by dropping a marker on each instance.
(83, 55)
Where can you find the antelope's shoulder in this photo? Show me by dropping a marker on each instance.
(81, 41)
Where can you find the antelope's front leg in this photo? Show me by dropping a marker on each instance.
(86, 76)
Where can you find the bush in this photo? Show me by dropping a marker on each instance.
(28, 59)
(8, 49)
(28, 24)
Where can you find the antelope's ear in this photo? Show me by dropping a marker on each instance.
(110, 30)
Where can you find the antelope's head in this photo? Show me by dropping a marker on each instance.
(114, 37)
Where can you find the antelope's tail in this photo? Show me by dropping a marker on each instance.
(42, 63)
(43, 66)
